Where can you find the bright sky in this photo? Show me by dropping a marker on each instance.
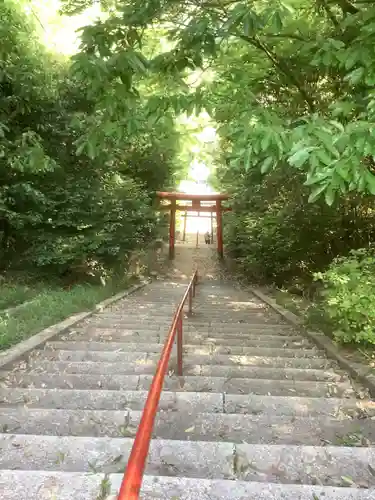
(60, 32)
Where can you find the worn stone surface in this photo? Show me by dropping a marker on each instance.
(42, 485)
(25, 485)
(193, 425)
(106, 455)
(208, 349)
(260, 412)
(233, 385)
(99, 399)
(297, 405)
(189, 489)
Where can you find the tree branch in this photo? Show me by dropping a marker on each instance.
(282, 67)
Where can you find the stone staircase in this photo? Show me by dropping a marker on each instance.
(259, 414)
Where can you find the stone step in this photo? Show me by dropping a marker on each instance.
(228, 385)
(43, 485)
(160, 315)
(299, 406)
(329, 466)
(264, 341)
(192, 426)
(263, 372)
(97, 399)
(148, 366)
(40, 485)
(233, 385)
(183, 488)
(234, 328)
(199, 327)
(189, 359)
(106, 335)
(281, 340)
(240, 327)
(191, 338)
(218, 313)
(151, 325)
(188, 348)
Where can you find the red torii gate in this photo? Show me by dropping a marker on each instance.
(195, 206)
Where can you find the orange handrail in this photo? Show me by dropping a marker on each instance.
(132, 481)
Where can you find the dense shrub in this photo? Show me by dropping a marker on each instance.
(348, 297)
(76, 184)
(276, 237)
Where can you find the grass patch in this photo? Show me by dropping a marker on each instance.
(294, 303)
(51, 305)
(13, 294)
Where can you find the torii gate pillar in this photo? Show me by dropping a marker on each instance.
(219, 229)
(172, 228)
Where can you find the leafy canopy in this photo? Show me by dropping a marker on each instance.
(291, 81)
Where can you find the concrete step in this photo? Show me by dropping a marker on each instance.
(183, 488)
(240, 327)
(189, 359)
(147, 308)
(105, 335)
(40, 485)
(148, 366)
(188, 348)
(235, 328)
(233, 385)
(329, 466)
(299, 406)
(192, 426)
(149, 315)
(190, 338)
(113, 328)
(43, 485)
(263, 372)
(264, 341)
(97, 399)
(198, 335)
(230, 385)
(135, 324)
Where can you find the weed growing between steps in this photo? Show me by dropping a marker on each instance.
(51, 305)
(105, 488)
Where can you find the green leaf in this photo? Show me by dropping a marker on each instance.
(248, 25)
(330, 196)
(248, 158)
(324, 157)
(277, 22)
(80, 148)
(266, 165)
(351, 59)
(355, 76)
(314, 179)
(347, 480)
(315, 193)
(90, 149)
(299, 157)
(370, 180)
(266, 141)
